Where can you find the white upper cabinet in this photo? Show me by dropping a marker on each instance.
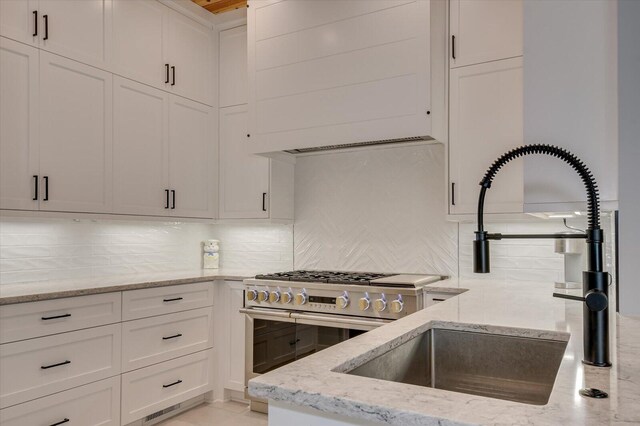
(328, 73)
(18, 125)
(485, 30)
(140, 149)
(486, 115)
(233, 67)
(244, 178)
(138, 40)
(75, 136)
(19, 20)
(192, 159)
(80, 30)
(189, 53)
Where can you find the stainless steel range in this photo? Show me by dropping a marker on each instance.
(290, 315)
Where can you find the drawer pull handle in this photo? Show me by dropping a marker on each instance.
(46, 367)
(174, 299)
(439, 300)
(172, 384)
(172, 337)
(56, 317)
(61, 422)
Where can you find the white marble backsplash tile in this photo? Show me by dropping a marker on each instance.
(43, 249)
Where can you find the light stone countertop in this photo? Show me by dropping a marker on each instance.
(54, 289)
(513, 308)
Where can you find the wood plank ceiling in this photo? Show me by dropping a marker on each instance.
(220, 6)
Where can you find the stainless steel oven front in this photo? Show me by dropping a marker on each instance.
(278, 337)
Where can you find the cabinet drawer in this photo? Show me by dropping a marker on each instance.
(435, 298)
(33, 368)
(165, 300)
(34, 319)
(89, 405)
(151, 340)
(153, 388)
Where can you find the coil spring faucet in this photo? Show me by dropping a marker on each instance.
(594, 281)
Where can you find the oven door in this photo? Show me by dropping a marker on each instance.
(276, 338)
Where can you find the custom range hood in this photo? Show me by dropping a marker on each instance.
(334, 75)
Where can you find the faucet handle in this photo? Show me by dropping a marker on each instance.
(596, 300)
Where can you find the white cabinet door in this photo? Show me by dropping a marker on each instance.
(79, 30)
(140, 149)
(18, 125)
(192, 158)
(75, 136)
(138, 28)
(235, 337)
(18, 20)
(244, 177)
(486, 120)
(485, 30)
(233, 67)
(189, 53)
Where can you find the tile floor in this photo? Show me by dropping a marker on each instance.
(218, 414)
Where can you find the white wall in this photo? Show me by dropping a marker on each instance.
(384, 210)
(629, 110)
(570, 98)
(41, 249)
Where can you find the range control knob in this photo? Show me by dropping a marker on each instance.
(252, 295)
(380, 305)
(274, 297)
(397, 306)
(287, 297)
(301, 298)
(342, 301)
(263, 296)
(364, 303)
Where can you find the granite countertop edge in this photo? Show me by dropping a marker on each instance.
(56, 289)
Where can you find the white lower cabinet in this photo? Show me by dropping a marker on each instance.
(154, 388)
(151, 340)
(34, 368)
(233, 358)
(165, 300)
(94, 404)
(34, 319)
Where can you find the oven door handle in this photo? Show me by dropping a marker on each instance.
(267, 314)
(340, 322)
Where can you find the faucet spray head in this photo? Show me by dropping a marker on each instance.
(481, 255)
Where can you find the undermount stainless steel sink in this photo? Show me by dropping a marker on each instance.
(496, 366)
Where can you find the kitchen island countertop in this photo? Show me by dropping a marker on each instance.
(317, 387)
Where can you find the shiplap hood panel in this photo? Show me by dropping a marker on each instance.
(324, 74)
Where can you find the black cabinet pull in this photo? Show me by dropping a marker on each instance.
(166, 68)
(35, 187)
(46, 188)
(438, 300)
(173, 75)
(172, 384)
(35, 23)
(453, 46)
(46, 367)
(166, 205)
(56, 317)
(173, 199)
(46, 27)
(172, 299)
(453, 193)
(172, 337)
(264, 201)
(61, 422)
(293, 342)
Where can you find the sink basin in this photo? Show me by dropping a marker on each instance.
(496, 366)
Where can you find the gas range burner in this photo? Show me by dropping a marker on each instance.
(333, 277)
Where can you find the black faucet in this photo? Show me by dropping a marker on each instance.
(595, 281)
